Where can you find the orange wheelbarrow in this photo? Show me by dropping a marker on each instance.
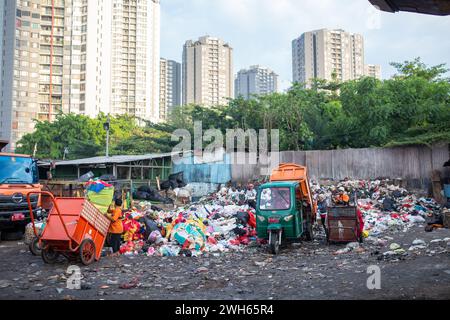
(75, 229)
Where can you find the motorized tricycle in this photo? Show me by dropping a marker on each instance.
(284, 208)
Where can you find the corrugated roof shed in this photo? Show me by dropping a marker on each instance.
(111, 160)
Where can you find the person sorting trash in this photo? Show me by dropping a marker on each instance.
(342, 198)
(250, 196)
(116, 227)
(322, 206)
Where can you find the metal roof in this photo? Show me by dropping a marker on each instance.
(110, 160)
(3, 143)
(433, 7)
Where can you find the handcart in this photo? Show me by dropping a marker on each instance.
(75, 228)
(343, 224)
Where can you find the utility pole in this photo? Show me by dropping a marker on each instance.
(106, 125)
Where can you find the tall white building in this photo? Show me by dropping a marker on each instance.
(135, 58)
(122, 57)
(80, 56)
(256, 80)
(327, 54)
(207, 72)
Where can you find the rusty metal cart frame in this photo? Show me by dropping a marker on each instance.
(346, 214)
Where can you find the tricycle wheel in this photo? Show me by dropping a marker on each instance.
(309, 231)
(274, 243)
(87, 252)
(35, 249)
(49, 255)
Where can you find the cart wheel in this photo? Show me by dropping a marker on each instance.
(87, 252)
(274, 244)
(49, 255)
(35, 249)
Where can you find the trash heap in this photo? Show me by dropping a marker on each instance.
(220, 222)
(225, 221)
(385, 207)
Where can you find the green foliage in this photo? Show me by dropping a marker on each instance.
(85, 137)
(417, 68)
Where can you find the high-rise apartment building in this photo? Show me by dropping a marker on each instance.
(118, 42)
(207, 72)
(35, 60)
(80, 56)
(327, 54)
(373, 70)
(135, 58)
(256, 80)
(170, 87)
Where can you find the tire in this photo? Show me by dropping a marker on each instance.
(12, 235)
(35, 249)
(309, 236)
(87, 252)
(274, 243)
(49, 255)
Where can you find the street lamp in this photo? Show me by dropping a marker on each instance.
(66, 151)
(107, 126)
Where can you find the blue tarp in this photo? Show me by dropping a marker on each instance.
(212, 172)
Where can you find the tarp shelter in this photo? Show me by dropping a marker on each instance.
(213, 170)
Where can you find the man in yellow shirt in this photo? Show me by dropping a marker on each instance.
(116, 227)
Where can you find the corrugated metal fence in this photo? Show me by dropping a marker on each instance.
(413, 164)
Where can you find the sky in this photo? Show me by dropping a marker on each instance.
(261, 31)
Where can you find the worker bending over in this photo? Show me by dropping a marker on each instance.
(342, 198)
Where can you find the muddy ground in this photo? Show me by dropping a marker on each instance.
(301, 271)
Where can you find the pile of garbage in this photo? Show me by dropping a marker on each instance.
(224, 220)
(217, 223)
(170, 190)
(385, 207)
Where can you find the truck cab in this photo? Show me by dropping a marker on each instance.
(18, 176)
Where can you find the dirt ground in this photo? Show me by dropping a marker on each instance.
(307, 270)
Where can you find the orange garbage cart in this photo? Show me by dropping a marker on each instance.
(75, 229)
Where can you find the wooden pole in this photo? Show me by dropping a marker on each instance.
(157, 183)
